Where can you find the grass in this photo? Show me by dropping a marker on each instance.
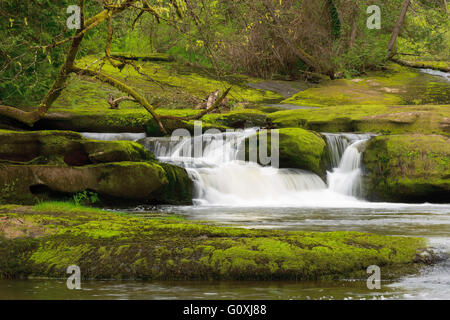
(64, 206)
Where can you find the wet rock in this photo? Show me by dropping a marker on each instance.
(297, 149)
(56, 164)
(407, 168)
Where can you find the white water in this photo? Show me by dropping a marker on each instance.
(221, 178)
(114, 136)
(246, 194)
(445, 75)
(346, 175)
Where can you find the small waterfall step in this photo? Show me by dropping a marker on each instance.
(346, 151)
(125, 136)
(220, 178)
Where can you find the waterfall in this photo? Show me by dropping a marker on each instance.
(445, 75)
(113, 136)
(221, 177)
(346, 151)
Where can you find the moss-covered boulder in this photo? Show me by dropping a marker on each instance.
(55, 164)
(426, 119)
(297, 149)
(145, 182)
(408, 168)
(65, 148)
(45, 240)
(115, 151)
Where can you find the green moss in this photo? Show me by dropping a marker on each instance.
(186, 82)
(179, 188)
(414, 168)
(65, 148)
(63, 207)
(114, 151)
(110, 245)
(297, 148)
(427, 119)
(237, 119)
(395, 86)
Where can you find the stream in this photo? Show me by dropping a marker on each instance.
(232, 192)
(237, 193)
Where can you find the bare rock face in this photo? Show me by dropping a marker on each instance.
(56, 164)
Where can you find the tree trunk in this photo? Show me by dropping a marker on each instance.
(398, 28)
(299, 52)
(354, 31)
(31, 117)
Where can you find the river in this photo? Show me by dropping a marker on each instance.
(232, 192)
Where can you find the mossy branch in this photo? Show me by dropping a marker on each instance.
(214, 106)
(31, 117)
(124, 88)
(419, 64)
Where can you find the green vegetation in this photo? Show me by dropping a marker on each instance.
(63, 207)
(427, 119)
(108, 245)
(412, 168)
(181, 81)
(396, 85)
(44, 164)
(298, 148)
(169, 56)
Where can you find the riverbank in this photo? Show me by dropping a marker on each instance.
(42, 241)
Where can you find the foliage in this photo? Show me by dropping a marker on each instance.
(26, 69)
(85, 198)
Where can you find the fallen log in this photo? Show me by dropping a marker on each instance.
(421, 64)
(152, 58)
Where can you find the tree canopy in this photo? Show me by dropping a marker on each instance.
(264, 38)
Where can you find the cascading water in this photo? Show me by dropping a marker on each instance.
(445, 75)
(221, 178)
(345, 153)
(245, 194)
(114, 136)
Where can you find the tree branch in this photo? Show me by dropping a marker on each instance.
(123, 87)
(204, 112)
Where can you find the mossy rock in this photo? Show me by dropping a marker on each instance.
(37, 165)
(128, 120)
(152, 129)
(297, 149)
(239, 119)
(143, 182)
(115, 151)
(396, 85)
(65, 148)
(407, 168)
(426, 119)
(45, 240)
